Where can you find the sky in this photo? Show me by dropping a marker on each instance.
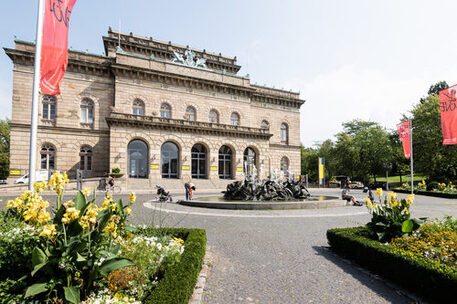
(370, 60)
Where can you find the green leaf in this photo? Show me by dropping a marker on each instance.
(114, 264)
(407, 226)
(119, 206)
(129, 228)
(80, 201)
(59, 214)
(80, 258)
(38, 257)
(35, 289)
(72, 294)
(37, 267)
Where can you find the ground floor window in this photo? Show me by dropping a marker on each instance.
(285, 166)
(85, 161)
(138, 159)
(198, 161)
(225, 163)
(47, 154)
(170, 160)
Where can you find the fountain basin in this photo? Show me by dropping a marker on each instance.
(313, 202)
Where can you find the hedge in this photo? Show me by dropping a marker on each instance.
(419, 275)
(178, 283)
(428, 193)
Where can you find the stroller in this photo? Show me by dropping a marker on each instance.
(163, 196)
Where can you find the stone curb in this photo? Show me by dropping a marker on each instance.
(202, 277)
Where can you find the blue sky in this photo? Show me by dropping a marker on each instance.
(349, 59)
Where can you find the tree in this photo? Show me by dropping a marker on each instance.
(437, 87)
(431, 157)
(309, 160)
(4, 148)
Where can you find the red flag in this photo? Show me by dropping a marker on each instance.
(54, 52)
(403, 130)
(448, 109)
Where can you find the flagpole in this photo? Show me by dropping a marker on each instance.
(35, 96)
(411, 148)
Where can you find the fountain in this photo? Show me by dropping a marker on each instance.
(255, 192)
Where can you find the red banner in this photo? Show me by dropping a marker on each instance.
(403, 130)
(54, 51)
(448, 109)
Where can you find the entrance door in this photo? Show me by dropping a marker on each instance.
(138, 159)
(198, 161)
(170, 160)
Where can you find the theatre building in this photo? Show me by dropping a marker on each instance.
(159, 111)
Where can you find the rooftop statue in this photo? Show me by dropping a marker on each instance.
(189, 59)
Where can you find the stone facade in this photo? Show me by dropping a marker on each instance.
(145, 71)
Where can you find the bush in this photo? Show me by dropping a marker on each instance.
(432, 186)
(426, 277)
(179, 280)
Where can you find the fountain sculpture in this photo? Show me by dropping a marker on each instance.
(253, 188)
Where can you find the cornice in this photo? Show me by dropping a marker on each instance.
(282, 146)
(64, 129)
(184, 126)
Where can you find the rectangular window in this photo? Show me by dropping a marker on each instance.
(44, 162)
(83, 115)
(45, 111)
(53, 111)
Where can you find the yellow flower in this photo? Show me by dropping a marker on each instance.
(379, 191)
(86, 191)
(178, 241)
(48, 231)
(70, 215)
(405, 210)
(69, 204)
(39, 186)
(128, 210)
(90, 218)
(132, 197)
(57, 182)
(375, 206)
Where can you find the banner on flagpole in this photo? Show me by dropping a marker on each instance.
(54, 51)
(321, 171)
(403, 130)
(448, 109)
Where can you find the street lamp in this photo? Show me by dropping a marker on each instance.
(387, 167)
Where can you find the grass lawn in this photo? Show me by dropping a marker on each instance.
(396, 178)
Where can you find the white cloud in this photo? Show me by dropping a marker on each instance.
(349, 92)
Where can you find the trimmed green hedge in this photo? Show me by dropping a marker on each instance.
(178, 283)
(428, 193)
(419, 275)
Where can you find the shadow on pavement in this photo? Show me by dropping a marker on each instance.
(384, 288)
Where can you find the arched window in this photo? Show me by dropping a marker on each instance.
(285, 166)
(250, 160)
(87, 111)
(235, 119)
(49, 107)
(85, 159)
(138, 107)
(225, 162)
(213, 116)
(165, 110)
(47, 154)
(265, 125)
(138, 159)
(198, 161)
(284, 134)
(170, 160)
(190, 114)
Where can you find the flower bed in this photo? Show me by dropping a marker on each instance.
(89, 253)
(427, 277)
(414, 253)
(435, 189)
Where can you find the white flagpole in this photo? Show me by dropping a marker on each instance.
(35, 96)
(411, 148)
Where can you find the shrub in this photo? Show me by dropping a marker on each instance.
(424, 276)
(432, 186)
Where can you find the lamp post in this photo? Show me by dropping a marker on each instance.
(387, 166)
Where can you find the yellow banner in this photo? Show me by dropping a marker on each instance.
(186, 167)
(154, 166)
(239, 169)
(213, 168)
(15, 172)
(321, 171)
